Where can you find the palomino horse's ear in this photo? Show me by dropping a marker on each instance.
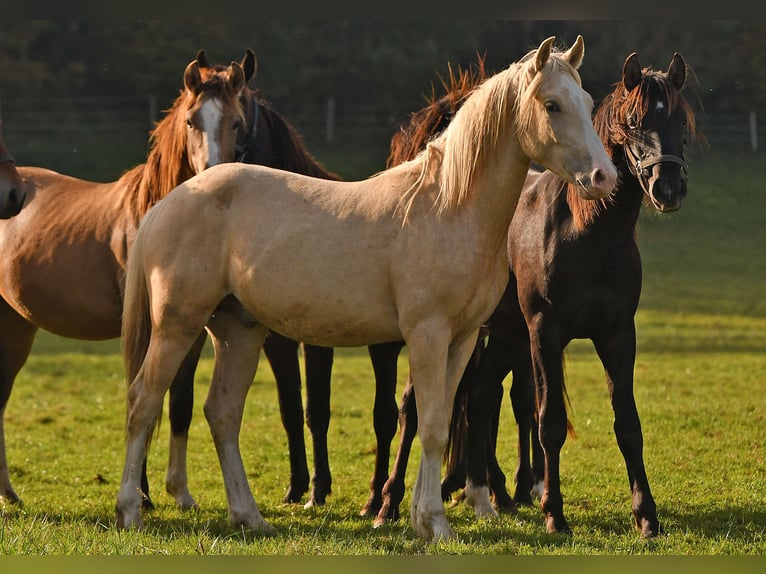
(631, 72)
(192, 77)
(249, 65)
(202, 59)
(543, 53)
(677, 71)
(236, 77)
(575, 54)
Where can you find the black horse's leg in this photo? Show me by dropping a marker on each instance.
(523, 402)
(16, 338)
(318, 374)
(282, 354)
(547, 366)
(393, 489)
(384, 358)
(482, 416)
(618, 354)
(180, 407)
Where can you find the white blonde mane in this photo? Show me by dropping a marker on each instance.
(461, 153)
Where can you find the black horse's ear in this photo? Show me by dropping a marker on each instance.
(677, 71)
(202, 59)
(631, 72)
(249, 65)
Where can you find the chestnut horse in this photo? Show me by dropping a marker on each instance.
(575, 273)
(12, 193)
(64, 254)
(275, 250)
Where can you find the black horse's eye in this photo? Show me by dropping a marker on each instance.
(632, 122)
(188, 122)
(237, 125)
(551, 106)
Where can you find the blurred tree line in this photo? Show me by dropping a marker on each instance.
(382, 62)
(385, 67)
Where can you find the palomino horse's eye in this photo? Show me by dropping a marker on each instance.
(551, 106)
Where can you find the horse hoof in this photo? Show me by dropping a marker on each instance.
(294, 495)
(557, 525)
(650, 529)
(11, 498)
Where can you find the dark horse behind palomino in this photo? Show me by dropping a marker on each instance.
(12, 193)
(64, 253)
(575, 273)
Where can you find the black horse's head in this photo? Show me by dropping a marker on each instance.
(649, 123)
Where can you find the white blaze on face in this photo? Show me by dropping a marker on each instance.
(211, 113)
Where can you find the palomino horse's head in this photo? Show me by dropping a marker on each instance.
(555, 123)
(12, 192)
(214, 114)
(654, 120)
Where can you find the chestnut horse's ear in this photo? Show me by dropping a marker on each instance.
(543, 53)
(575, 54)
(236, 77)
(249, 65)
(677, 71)
(631, 72)
(192, 77)
(202, 59)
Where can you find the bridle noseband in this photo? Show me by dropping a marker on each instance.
(249, 144)
(639, 166)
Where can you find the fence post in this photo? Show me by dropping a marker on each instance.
(753, 131)
(330, 121)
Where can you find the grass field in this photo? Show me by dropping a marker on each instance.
(700, 389)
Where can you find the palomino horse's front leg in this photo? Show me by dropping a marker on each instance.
(618, 355)
(436, 365)
(237, 347)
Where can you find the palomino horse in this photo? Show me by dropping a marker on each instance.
(265, 138)
(575, 273)
(270, 249)
(11, 187)
(64, 254)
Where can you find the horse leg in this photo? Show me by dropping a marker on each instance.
(385, 416)
(180, 406)
(618, 355)
(16, 338)
(484, 397)
(393, 490)
(282, 354)
(237, 351)
(436, 366)
(318, 375)
(523, 402)
(546, 353)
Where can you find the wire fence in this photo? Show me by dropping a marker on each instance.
(99, 138)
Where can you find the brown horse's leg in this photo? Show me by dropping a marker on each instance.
(549, 378)
(318, 374)
(16, 337)
(523, 402)
(393, 489)
(282, 354)
(618, 354)
(384, 359)
(181, 404)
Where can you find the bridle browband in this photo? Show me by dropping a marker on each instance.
(249, 144)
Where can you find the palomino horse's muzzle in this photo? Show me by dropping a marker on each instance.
(641, 168)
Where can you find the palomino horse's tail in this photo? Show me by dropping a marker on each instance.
(136, 320)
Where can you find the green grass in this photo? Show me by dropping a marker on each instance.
(700, 385)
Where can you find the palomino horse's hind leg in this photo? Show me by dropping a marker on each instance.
(16, 338)
(618, 354)
(384, 358)
(282, 354)
(237, 343)
(181, 404)
(318, 374)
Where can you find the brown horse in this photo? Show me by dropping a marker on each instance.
(575, 273)
(12, 193)
(64, 254)
(422, 243)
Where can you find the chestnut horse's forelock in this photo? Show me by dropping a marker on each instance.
(610, 122)
(167, 163)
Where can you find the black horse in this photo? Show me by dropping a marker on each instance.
(575, 273)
